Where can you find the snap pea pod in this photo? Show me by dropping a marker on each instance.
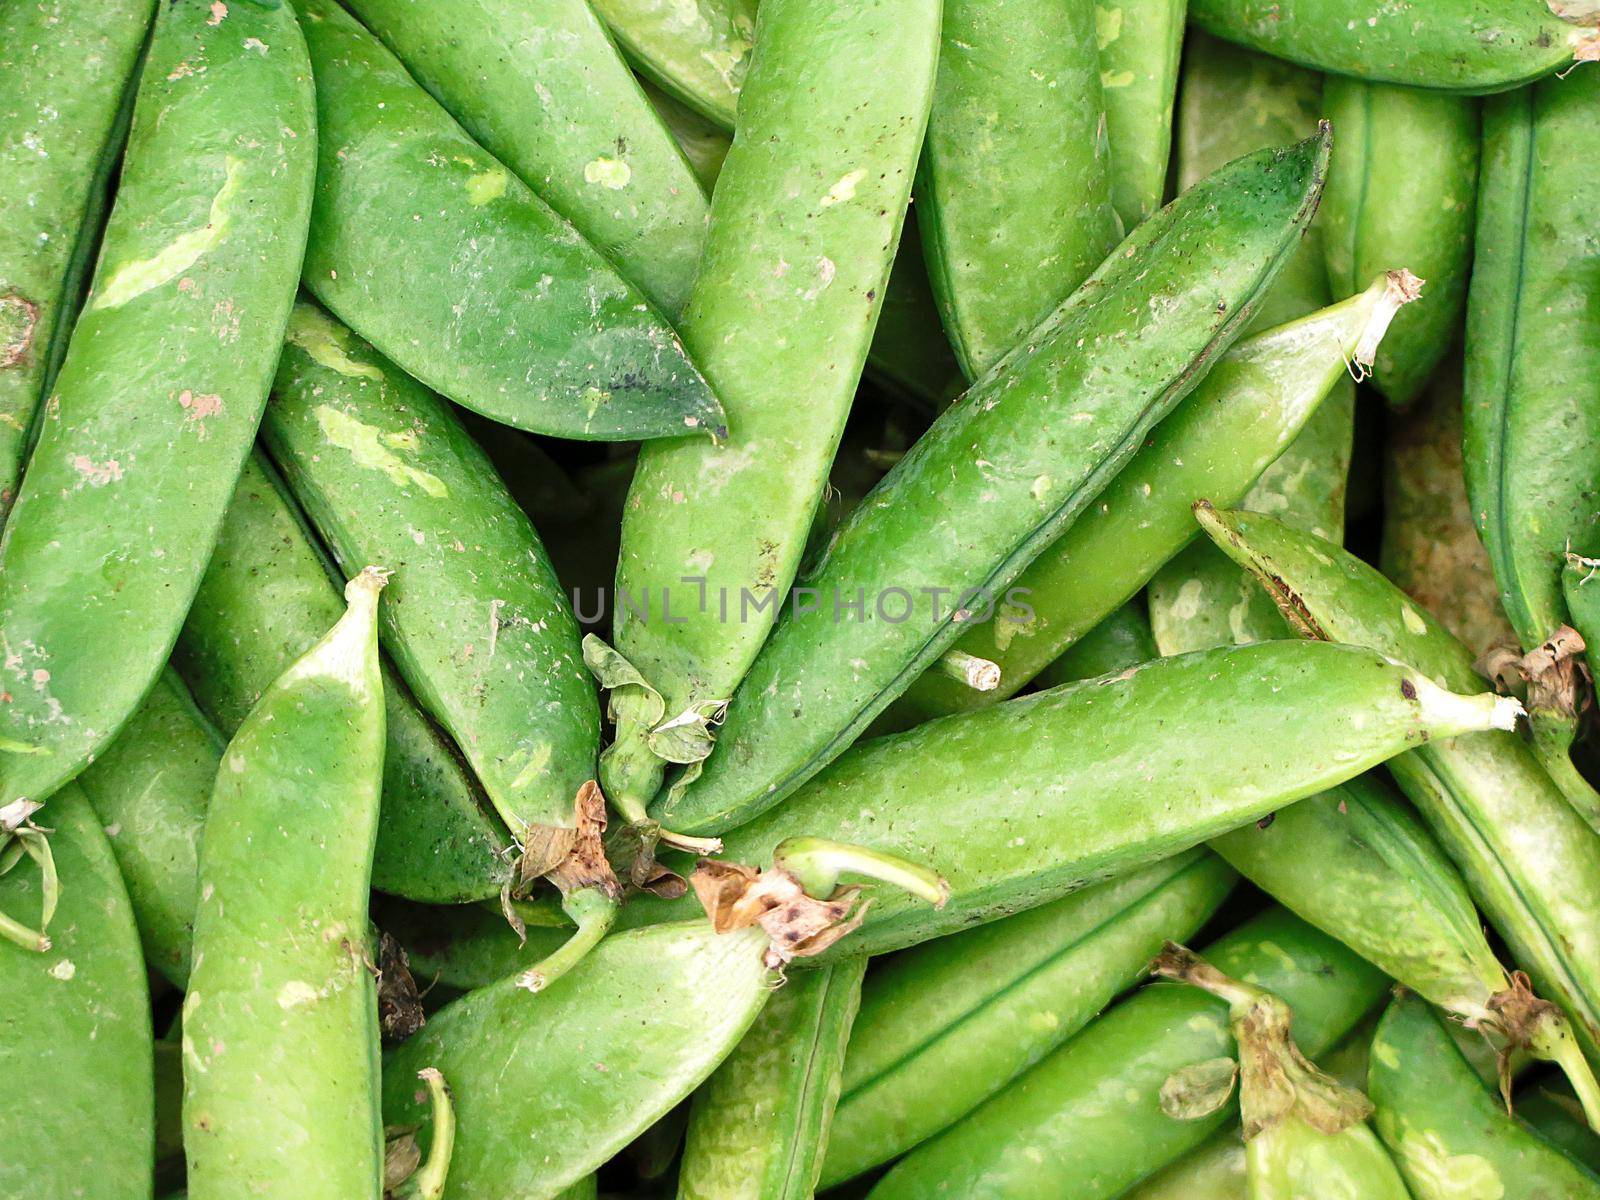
(1000, 476)
(280, 1023)
(1474, 46)
(1087, 1122)
(697, 53)
(475, 619)
(150, 790)
(1403, 190)
(1449, 1134)
(1121, 640)
(1140, 42)
(162, 386)
(75, 1043)
(1529, 860)
(1014, 189)
(543, 89)
(1029, 800)
(1532, 434)
(1305, 1133)
(1354, 863)
(66, 71)
(759, 1125)
(702, 143)
(1232, 427)
(263, 602)
(804, 223)
(1431, 549)
(434, 251)
(949, 1024)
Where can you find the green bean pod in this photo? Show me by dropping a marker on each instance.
(1305, 1133)
(1029, 800)
(262, 603)
(1140, 42)
(1087, 1122)
(75, 1044)
(1121, 640)
(1232, 427)
(66, 72)
(434, 251)
(1403, 192)
(1529, 860)
(475, 619)
(1450, 1135)
(1473, 46)
(804, 223)
(280, 1023)
(949, 1024)
(759, 1125)
(543, 89)
(150, 790)
(1354, 863)
(1000, 476)
(1014, 190)
(697, 53)
(162, 387)
(1532, 434)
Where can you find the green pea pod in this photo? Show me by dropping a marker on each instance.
(162, 387)
(696, 52)
(1121, 640)
(1473, 46)
(1533, 354)
(1529, 860)
(1449, 1134)
(1305, 1133)
(265, 597)
(1402, 193)
(1089, 1122)
(702, 143)
(543, 89)
(280, 1023)
(466, 946)
(1431, 549)
(472, 283)
(66, 72)
(1215, 1171)
(1014, 190)
(1029, 800)
(475, 620)
(949, 1024)
(1000, 476)
(1140, 42)
(1234, 425)
(803, 229)
(150, 790)
(759, 1125)
(1555, 1113)
(75, 1044)
(1356, 864)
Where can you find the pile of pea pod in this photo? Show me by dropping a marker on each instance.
(879, 599)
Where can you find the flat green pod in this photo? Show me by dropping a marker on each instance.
(1140, 43)
(75, 1043)
(433, 250)
(696, 52)
(163, 384)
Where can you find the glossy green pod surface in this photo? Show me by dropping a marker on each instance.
(549, 1086)
(66, 68)
(434, 251)
(75, 1045)
(697, 52)
(1473, 46)
(759, 1125)
(265, 599)
(1121, 640)
(1000, 476)
(947, 1025)
(1087, 1122)
(162, 387)
(1140, 42)
(1402, 193)
(543, 89)
(280, 1022)
(1014, 190)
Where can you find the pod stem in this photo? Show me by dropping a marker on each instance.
(429, 1179)
(594, 910)
(1400, 288)
(20, 837)
(817, 864)
(979, 674)
(1544, 1030)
